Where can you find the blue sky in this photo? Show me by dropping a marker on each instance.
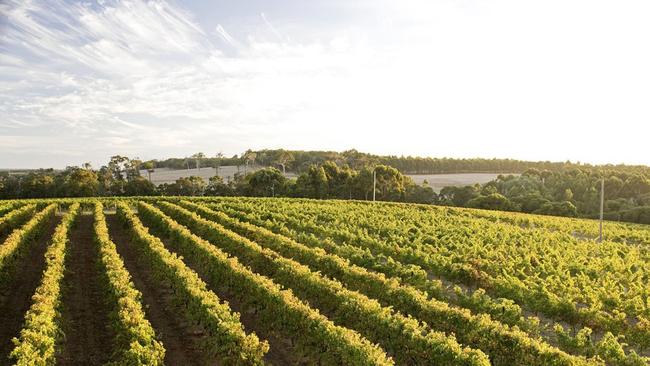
(538, 80)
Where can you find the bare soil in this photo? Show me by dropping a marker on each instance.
(281, 350)
(16, 294)
(88, 336)
(181, 342)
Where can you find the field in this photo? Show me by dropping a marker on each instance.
(252, 281)
(435, 181)
(440, 181)
(165, 175)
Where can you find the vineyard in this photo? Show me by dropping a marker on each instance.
(253, 281)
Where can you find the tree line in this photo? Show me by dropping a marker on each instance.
(299, 161)
(569, 190)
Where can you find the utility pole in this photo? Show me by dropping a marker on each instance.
(602, 206)
(374, 184)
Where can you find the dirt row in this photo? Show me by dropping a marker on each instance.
(16, 294)
(86, 327)
(281, 350)
(88, 338)
(182, 344)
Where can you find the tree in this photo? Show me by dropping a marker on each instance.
(339, 180)
(530, 202)
(186, 186)
(283, 158)
(149, 167)
(564, 208)
(459, 196)
(636, 185)
(639, 214)
(317, 180)
(390, 183)
(420, 194)
(218, 158)
(266, 182)
(362, 184)
(133, 168)
(80, 183)
(39, 184)
(139, 186)
(117, 165)
(217, 187)
(568, 195)
(493, 201)
(249, 157)
(197, 158)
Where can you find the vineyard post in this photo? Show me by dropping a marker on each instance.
(602, 205)
(374, 184)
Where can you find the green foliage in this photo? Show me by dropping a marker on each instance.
(493, 201)
(18, 239)
(354, 282)
(565, 208)
(227, 339)
(266, 182)
(16, 217)
(564, 189)
(279, 309)
(459, 196)
(469, 329)
(502, 252)
(217, 187)
(38, 338)
(349, 308)
(80, 183)
(139, 186)
(136, 339)
(187, 186)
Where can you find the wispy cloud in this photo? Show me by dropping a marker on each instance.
(273, 30)
(84, 80)
(226, 36)
(80, 68)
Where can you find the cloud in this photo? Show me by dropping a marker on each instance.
(273, 30)
(226, 36)
(82, 80)
(97, 71)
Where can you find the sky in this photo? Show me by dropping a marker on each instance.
(534, 80)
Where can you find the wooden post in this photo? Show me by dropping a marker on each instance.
(374, 184)
(602, 206)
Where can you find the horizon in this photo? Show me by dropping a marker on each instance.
(227, 156)
(551, 81)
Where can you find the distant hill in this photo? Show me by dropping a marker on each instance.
(299, 161)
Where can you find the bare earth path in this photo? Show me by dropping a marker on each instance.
(86, 325)
(16, 294)
(281, 351)
(181, 346)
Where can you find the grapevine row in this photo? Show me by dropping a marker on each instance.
(512, 261)
(136, 339)
(8, 207)
(38, 339)
(16, 217)
(309, 234)
(278, 309)
(404, 337)
(505, 346)
(478, 301)
(19, 238)
(227, 339)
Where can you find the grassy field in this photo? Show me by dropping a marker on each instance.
(251, 281)
(435, 181)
